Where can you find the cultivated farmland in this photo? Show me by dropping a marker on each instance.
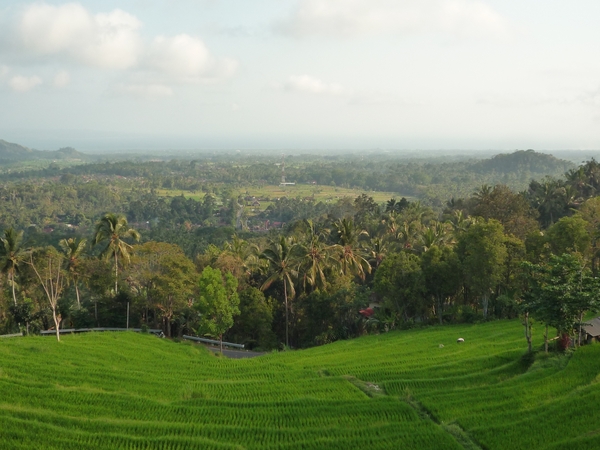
(410, 389)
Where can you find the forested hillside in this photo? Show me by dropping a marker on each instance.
(303, 267)
(13, 153)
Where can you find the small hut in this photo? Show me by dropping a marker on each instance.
(592, 330)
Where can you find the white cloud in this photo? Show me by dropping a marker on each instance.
(345, 18)
(312, 85)
(186, 58)
(235, 107)
(102, 40)
(4, 71)
(113, 41)
(20, 83)
(145, 91)
(62, 79)
(182, 56)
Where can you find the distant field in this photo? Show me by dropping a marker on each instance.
(319, 193)
(411, 390)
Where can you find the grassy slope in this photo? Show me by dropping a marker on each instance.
(135, 391)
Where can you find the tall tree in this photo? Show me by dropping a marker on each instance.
(559, 293)
(111, 229)
(163, 278)
(569, 234)
(12, 255)
(315, 256)
(590, 212)
(48, 268)
(73, 249)
(346, 236)
(399, 282)
(218, 302)
(482, 254)
(511, 209)
(436, 234)
(283, 266)
(441, 270)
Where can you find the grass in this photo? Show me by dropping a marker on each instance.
(319, 193)
(398, 390)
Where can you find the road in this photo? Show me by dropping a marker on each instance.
(236, 354)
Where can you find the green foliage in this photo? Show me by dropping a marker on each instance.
(163, 278)
(328, 316)
(560, 291)
(400, 283)
(482, 254)
(111, 230)
(253, 327)
(218, 302)
(569, 234)
(441, 271)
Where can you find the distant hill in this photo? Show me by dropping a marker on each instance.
(523, 161)
(11, 152)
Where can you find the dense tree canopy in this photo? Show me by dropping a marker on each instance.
(306, 271)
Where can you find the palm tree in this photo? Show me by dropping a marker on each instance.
(436, 234)
(484, 193)
(459, 221)
(548, 197)
(407, 233)
(112, 229)
(73, 248)
(578, 179)
(245, 253)
(315, 256)
(346, 235)
(283, 265)
(377, 250)
(12, 255)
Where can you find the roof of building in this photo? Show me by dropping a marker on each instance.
(592, 327)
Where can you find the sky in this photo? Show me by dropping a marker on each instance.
(301, 74)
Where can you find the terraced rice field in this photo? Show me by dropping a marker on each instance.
(411, 390)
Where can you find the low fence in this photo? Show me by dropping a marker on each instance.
(11, 335)
(212, 341)
(87, 330)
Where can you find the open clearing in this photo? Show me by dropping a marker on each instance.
(409, 389)
(272, 192)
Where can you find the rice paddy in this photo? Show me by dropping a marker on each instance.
(414, 389)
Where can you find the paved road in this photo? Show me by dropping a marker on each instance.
(236, 354)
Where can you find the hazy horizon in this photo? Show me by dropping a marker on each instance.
(307, 74)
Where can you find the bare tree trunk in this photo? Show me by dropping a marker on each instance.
(77, 293)
(546, 339)
(12, 281)
(287, 342)
(57, 320)
(439, 309)
(53, 285)
(579, 338)
(116, 273)
(527, 332)
(485, 304)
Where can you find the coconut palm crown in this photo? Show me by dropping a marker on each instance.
(111, 229)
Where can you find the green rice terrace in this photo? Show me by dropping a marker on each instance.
(416, 389)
